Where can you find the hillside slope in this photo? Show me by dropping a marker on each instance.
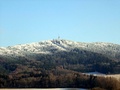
(77, 56)
(58, 63)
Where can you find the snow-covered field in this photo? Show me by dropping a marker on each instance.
(117, 76)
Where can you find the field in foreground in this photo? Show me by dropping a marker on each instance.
(117, 76)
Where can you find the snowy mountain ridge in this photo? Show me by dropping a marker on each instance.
(50, 46)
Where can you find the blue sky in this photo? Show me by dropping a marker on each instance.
(26, 21)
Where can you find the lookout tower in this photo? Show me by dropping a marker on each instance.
(58, 37)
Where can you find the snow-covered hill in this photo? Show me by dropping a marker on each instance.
(52, 46)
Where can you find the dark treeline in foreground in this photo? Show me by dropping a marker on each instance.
(59, 78)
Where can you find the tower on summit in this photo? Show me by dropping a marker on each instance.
(58, 37)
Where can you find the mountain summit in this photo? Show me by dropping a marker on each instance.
(53, 46)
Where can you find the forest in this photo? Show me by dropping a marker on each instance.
(60, 70)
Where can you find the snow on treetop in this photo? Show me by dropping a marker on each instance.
(49, 46)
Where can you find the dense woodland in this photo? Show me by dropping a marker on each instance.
(59, 78)
(61, 69)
